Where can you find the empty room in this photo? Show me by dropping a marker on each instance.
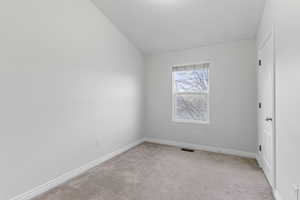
(149, 100)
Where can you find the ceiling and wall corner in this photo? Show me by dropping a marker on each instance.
(157, 26)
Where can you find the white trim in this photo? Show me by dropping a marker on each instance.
(73, 173)
(202, 147)
(258, 159)
(274, 109)
(273, 175)
(76, 172)
(193, 63)
(276, 195)
(264, 40)
(190, 121)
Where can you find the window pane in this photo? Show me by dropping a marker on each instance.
(191, 107)
(191, 80)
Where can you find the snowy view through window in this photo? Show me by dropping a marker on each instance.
(191, 93)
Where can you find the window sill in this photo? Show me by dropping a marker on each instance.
(190, 121)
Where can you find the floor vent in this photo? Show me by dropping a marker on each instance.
(188, 150)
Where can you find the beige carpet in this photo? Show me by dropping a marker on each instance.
(158, 172)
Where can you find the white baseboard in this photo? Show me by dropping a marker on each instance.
(202, 147)
(276, 195)
(259, 161)
(73, 173)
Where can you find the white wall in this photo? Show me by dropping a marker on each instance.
(285, 16)
(232, 98)
(287, 29)
(71, 90)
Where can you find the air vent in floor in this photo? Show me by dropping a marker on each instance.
(187, 150)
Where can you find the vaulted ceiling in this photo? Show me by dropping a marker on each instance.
(156, 26)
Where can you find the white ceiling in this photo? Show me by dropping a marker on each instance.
(157, 26)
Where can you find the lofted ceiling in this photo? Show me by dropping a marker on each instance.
(156, 26)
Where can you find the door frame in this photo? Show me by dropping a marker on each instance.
(270, 35)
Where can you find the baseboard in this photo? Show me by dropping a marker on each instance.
(73, 173)
(276, 195)
(202, 147)
(259, 161)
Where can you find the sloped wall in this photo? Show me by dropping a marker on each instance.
(71, 90)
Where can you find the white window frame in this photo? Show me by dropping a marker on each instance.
(174, 93)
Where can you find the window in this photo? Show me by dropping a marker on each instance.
(191, 93)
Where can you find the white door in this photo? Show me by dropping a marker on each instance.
(266, 108)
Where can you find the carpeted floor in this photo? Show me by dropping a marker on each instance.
(158, 172)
